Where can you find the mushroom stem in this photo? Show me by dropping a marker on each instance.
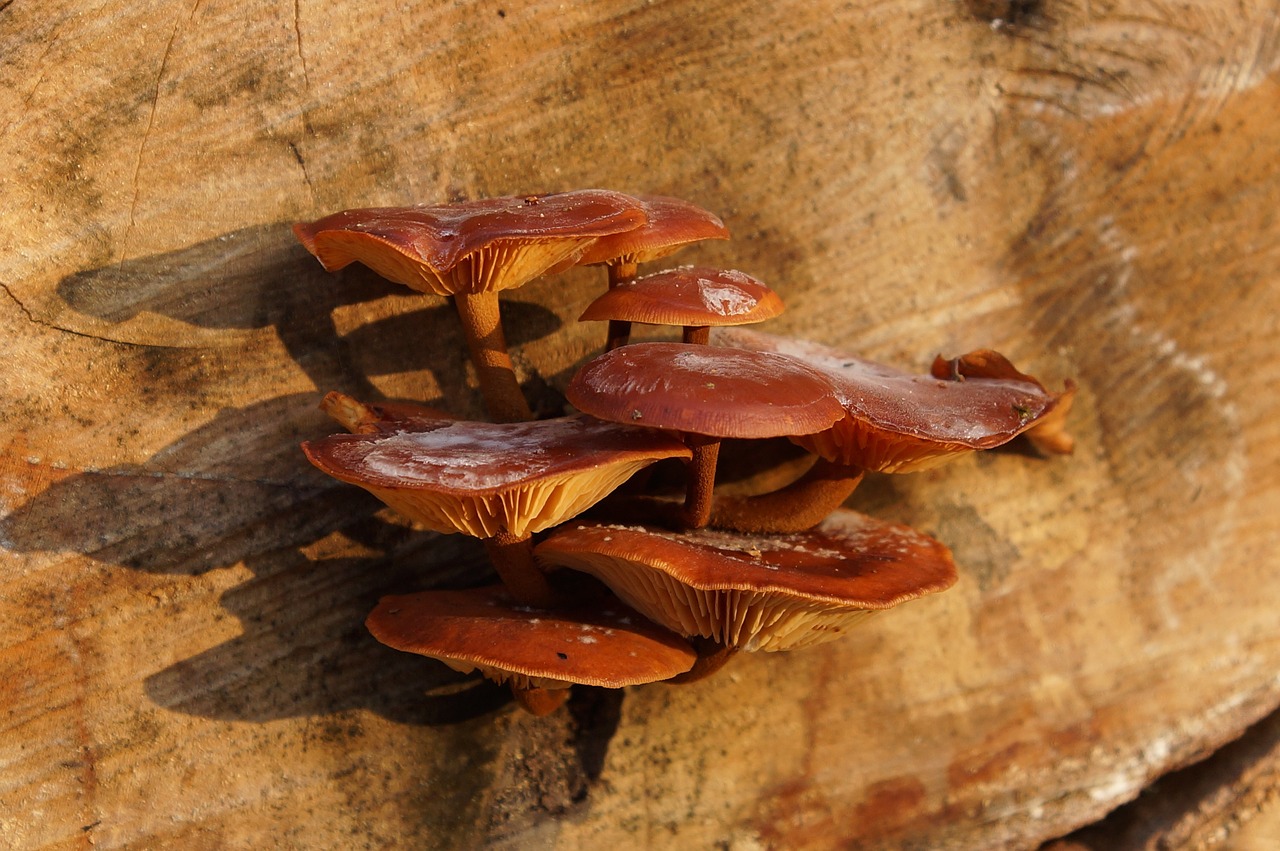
(801, 505)
(712, 656)
(620, 272)
(698, 335)
(512, 558)
(347, 412)
(482, 327)
(540, 701)
(702, 478)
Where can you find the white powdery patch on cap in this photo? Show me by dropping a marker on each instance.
(725, 298)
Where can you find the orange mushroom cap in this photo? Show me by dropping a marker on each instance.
(672, 224)
(474, 246)
(898, 422)
(483, 479)
(687, 296)
(758, 592)
(706, 390)
(1049, 433)
(482, 628)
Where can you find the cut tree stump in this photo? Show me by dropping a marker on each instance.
(1089, 187)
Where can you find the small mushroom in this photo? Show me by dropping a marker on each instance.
(758, 592)
(538, 653)
(471, 251)
(707, 393)
(897, 422)
(690, 297)
(1048, 433)
(672, 224)
(500, 482)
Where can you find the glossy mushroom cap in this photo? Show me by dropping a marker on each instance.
(758, 592)
(897, 422)
(482, 628)
(672, 224)
(474, 246)
(483, 479)
(705, 390)
(687, 296)
(1049, 433)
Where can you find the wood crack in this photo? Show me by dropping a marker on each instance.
(146, 133)
(43, 323)
(306, 83)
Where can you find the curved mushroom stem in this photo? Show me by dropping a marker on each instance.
(619, 330)
(512, 557)
(711, 658)
(540, 701)
(702, 479)
(482, 327)
(801, 505)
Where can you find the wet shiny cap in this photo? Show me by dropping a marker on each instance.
(688, 296)
(672, 224)
(605, 645)
(706, 390)
(519, 238)
(898, 421)
(484, 478)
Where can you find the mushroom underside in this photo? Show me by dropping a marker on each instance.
(741, 618)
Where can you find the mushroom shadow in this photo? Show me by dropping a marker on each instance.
(239, 492)
(236, 492)
(260, 277)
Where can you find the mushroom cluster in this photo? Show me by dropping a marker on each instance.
(680, 582)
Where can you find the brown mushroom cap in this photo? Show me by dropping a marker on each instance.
(706, 390)
(482, 628)
(474, 246)
(1049, 433)
(898, 422)
(687, 296)
(672, 224)
(486, 478)
(758, 592)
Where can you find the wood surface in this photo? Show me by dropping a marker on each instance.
(1089, 186)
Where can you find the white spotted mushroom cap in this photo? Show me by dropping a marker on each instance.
(599, 644)
(687, 296)
(484, 478)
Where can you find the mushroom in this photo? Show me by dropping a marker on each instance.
(706, 393)
(672, 224)
(538, 653)
(758, 592)
(500, 482)
(896, 422)
(690, 297)
(1048, 433)
(470, 251)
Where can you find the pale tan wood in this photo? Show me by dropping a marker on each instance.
(1088, 186)
(1220, 802)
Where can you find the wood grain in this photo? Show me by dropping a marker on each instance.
(1089, 187)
